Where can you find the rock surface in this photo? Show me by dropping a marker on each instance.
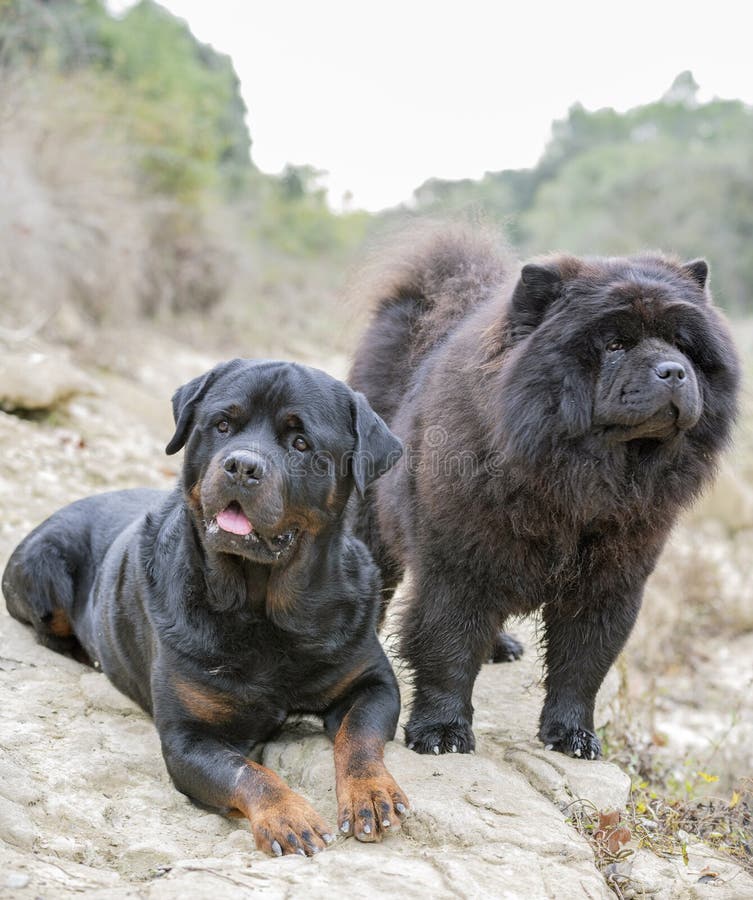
(86, 806)
(39, 380)
(85, 801)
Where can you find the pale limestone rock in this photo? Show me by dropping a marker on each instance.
(39, 380)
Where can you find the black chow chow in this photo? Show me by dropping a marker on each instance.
(238, 598)
(556, 419)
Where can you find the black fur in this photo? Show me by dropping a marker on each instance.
(222, 634)
(556, 419)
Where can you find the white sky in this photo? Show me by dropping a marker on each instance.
(383, 95)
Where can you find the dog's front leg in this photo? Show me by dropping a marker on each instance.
(212, 773)
(581, 645)
(370, 803)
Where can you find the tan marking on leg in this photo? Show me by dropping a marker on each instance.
(370, 803)
(340, 688)
(281, 820)
(202, 703)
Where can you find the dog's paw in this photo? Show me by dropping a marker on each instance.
(371, 806)
(290, 825)
(505, 648)
(440, 737)
(578, 742)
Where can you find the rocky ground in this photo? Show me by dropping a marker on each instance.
(86, 806)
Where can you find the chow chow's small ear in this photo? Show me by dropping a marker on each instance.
(185, 400)
(697, 270)
(376, 449)
(543, 282)
(537, 288)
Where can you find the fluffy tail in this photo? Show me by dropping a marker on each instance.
(419, 286)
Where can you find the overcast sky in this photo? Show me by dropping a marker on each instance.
(383, 95)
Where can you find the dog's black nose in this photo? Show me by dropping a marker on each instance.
(244, 467)
(670, 371)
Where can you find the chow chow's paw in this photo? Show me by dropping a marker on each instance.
(440, 737)
(578, 742)
(505, 648)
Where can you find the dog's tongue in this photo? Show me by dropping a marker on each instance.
(234, 520)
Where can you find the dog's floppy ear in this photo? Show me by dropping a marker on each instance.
(185, 400)
(376, 450)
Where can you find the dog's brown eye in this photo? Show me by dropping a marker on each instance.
(223, 426)
(612, 346)
(300, 444)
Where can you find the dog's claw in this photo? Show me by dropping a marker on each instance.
(276, 848)
(577, 742)
(441, 737)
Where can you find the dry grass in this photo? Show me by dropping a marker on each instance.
(665, 826)
(84, 246)
(71, 229)
(80, 239)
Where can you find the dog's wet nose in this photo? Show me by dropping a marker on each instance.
(672, 372)
(244, 467)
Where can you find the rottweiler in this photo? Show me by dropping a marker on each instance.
(239, 598)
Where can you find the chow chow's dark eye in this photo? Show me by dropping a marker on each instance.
(300, 444)
(223, 426)
(615, 345)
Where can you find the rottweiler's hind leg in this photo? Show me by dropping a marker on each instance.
(38, 591)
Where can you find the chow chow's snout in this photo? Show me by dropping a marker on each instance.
(671, 373)
(674, 383)
(650, 389)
